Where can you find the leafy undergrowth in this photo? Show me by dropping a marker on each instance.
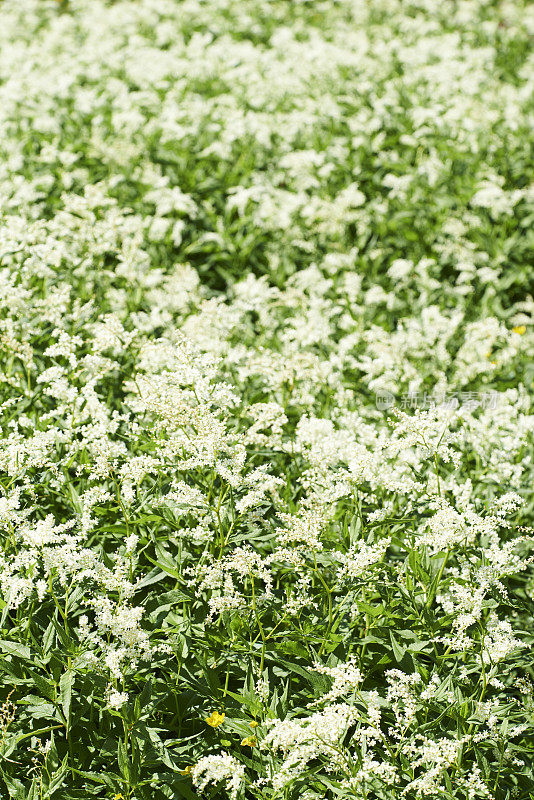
(266, 362)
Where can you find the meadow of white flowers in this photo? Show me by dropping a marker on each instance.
(267, 361)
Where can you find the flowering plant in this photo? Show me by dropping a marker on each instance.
(267, 337)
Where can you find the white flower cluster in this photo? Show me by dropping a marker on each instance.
(245, 247)
(217, 768)
(304, 740)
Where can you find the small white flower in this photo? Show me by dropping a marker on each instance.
(117, 699)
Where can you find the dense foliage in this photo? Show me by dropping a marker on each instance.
(266, 368)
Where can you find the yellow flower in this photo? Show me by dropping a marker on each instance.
(253, 724)
(249, 741)
(118, 796)
(520, 329)
(186, 770)
(215, 719)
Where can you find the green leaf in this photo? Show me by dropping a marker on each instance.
(46, 687)
(106, 779)
(58, 778)
(122, 758)
(398, 651)
(66, 683)
(48, 639)
(154, 576)
(15, 649)
(15, 787)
